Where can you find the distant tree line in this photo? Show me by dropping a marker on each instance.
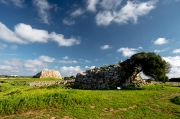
(174, 80)
(69, 78)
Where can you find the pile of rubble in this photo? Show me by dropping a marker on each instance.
(106, 77)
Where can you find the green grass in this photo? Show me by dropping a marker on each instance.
(155, 101)
(28, 79)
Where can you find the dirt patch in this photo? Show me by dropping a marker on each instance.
(66, 117)
(92, 106)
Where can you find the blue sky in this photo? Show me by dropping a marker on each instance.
(72, 36)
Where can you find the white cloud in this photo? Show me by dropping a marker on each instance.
(160, 41)
(87, 61)
(13, 62)
(14, 47)
(59, 38)
(31, 35)
(159, 50)
(34, 63)
(68, 61)
(104, 18)
(140, 47)
(18, 3)
(176, 51)
(66, 57)
(2, 46)
(175, 66)
(110, 4)
(4, 1)
(130, 12)
(91, 5)
(25, 34)
(8, 35)
(28, 67)
(127, 52)
(163, 50)
(77, 13)
(43, 8)
(68, 22)
(104, 47)
(69, 71)
(91, 67)
(46, 58)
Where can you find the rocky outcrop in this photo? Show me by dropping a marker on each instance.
(106, 77)
(48, 74)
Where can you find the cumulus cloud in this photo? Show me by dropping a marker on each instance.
(59, 38)
(77, 12)
(8, 35)
(43, 8)
(160, 41)
(46, 58)
(13, 62)
(69, 71)
(127, 52)
(31, 35)
(2, 46)
(104, 47)
(91, 5)
(176, 51)
(175, 66)
(68, 22)
(27, 67)
(25, 34)
(129, 12)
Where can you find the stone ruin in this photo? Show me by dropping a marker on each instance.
(48, 74)
(106, 77)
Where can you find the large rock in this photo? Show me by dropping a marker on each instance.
(48, 74)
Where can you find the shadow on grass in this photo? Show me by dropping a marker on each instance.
(121, 88)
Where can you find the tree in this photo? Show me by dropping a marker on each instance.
(150, 64)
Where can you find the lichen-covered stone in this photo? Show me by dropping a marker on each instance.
(48, 74)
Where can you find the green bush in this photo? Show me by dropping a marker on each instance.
(176, 100)
(67, 78)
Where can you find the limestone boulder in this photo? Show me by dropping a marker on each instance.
(48, 74)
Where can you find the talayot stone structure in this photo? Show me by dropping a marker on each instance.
(106, 77)
(48, 74)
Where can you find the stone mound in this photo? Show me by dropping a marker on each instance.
(106, 77)
(48, 74)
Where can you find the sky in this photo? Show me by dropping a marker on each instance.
(72, 36)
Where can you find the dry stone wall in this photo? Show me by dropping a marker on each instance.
(48, 74)
(106, 77)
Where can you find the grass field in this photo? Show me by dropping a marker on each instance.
(57, 102)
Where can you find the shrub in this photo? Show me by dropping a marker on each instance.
(176, 100)
(67, 78)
